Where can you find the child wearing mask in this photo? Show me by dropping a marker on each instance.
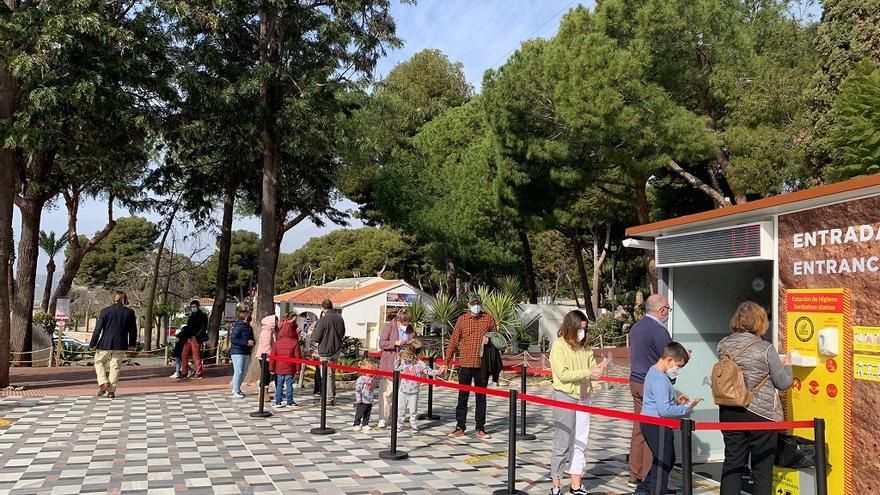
(365, 392)
(661, 401)
(408, 399)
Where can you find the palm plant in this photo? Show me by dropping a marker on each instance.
(51, 246)
(444, 310)
(503, 308)
(510, 285)
(419, 313)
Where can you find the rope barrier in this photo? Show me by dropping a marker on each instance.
(755, 425)
(611, 413)
(33, 352)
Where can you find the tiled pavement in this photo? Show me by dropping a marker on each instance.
(205, 442)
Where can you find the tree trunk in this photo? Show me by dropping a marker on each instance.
(47, 290)
(600, 251)
(162, 334)
(698, 184)
(76, 251)
(641, 197)
(7, 192)
(529, 266)
(450, 272)
(224, 247)
(576, 246)
(270, 100)
(154, 280)
(573, 289)
(31, 209)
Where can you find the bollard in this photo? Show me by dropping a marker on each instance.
(261, 412)
(430, 415)
(511, 450)
(393, 454)
(821, 461)
(522, 434)
(323, 430)
(687, 456)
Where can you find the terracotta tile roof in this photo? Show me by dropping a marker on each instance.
(313, 296)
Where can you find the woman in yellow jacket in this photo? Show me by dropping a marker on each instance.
(574, 368)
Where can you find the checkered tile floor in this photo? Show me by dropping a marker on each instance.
(205, 442)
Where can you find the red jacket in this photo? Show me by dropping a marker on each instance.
(286, 345)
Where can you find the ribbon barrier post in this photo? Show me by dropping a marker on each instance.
(821, 461)
(511, 451)
(261, 412)
(323, 430)
(522, 434)
(393, 454)
(430, 415)
(687, 457)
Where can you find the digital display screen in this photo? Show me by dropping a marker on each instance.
(732, 243)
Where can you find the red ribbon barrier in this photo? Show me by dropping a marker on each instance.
(362, 371)
(637, 418)
(754, 425)
(457, 386)
(294, 360)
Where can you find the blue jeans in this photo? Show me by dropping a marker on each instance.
(284, 381)
(239, 366)
(179, 364)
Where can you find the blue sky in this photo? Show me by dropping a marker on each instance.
(481, 34)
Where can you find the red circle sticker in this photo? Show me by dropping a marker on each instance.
(796, 383)
(814, 387)
(831, 389)
(831, 365)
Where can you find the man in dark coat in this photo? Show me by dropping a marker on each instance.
(329, 333)
(115, 333)
(198, 328)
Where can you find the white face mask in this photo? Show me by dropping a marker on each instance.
(476, 308)
(581, 334)
(402, 328)
(673, 372)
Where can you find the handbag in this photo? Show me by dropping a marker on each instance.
(794, 452)
(498, 340)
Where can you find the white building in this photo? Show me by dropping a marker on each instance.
(366, 303)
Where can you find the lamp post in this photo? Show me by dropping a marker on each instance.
(614, 250)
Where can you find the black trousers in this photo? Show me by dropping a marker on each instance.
(742, 448)
(471, 376)
(362, 416)
(317, 389)
(661, 441)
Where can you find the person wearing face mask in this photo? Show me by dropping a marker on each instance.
(646, 339)
(198, 328)
(408, 398)
(241, 342)
(471, 333)
(660, 400)
(396, 334)
(574, 369)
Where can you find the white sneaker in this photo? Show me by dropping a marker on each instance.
(278, 406)
(356, 428)
(238, 395)
(366, 428)
(175, 375)
(414, 429)
(381, 424)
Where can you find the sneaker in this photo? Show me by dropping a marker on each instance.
(458, 432)
(238, 395)
(103, 389)
(580, 491)
(200, 377)
(633, 481)
(175, 375)
(414, 429)
(191, 374)
(356, 428)
(292, 404)
(278, 406)
(483, 434)
(381, 424)
(555, 490)
(111, 395)
(366, 428)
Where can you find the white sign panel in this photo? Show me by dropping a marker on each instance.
(229, 312)
(62, 309)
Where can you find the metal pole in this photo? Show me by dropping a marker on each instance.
(260, 412)
(687, 457)
(430, 415)
(821, 461)
(323, 430)
(511, 450)
(393, 454)
(523, 370)
(166, 355)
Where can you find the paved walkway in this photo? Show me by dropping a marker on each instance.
(205, 442)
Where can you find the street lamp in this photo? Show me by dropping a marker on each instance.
(614, 250)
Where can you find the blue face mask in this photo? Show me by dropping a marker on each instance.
(476, 308)
(407, 362)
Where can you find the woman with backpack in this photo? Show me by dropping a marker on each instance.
(764, 374)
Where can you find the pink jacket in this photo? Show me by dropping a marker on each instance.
(388, 359)
(267, 336)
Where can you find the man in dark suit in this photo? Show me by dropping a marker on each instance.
(115, 332)
(647, 338)
(198, 330)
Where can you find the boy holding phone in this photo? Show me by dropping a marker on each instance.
(661, 401)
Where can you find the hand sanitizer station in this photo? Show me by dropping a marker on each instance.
(812, 259)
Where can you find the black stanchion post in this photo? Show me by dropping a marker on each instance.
(511, 450)
(393, 454)
(264, 369)
(366, 354)
(430, 415)
(522, 434)
(821, 461)
(323, 430)
(687, 457)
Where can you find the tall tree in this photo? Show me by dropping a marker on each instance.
(51, 246)
(107, 264)
(856, 130)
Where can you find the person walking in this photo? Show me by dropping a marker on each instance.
(395, 335)
(115, 333)
(286, 345)
(471, 333)
(647, 338)
(766, 374)
(241, 342)
(329, 334)
(574, 368)
(198, 328)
